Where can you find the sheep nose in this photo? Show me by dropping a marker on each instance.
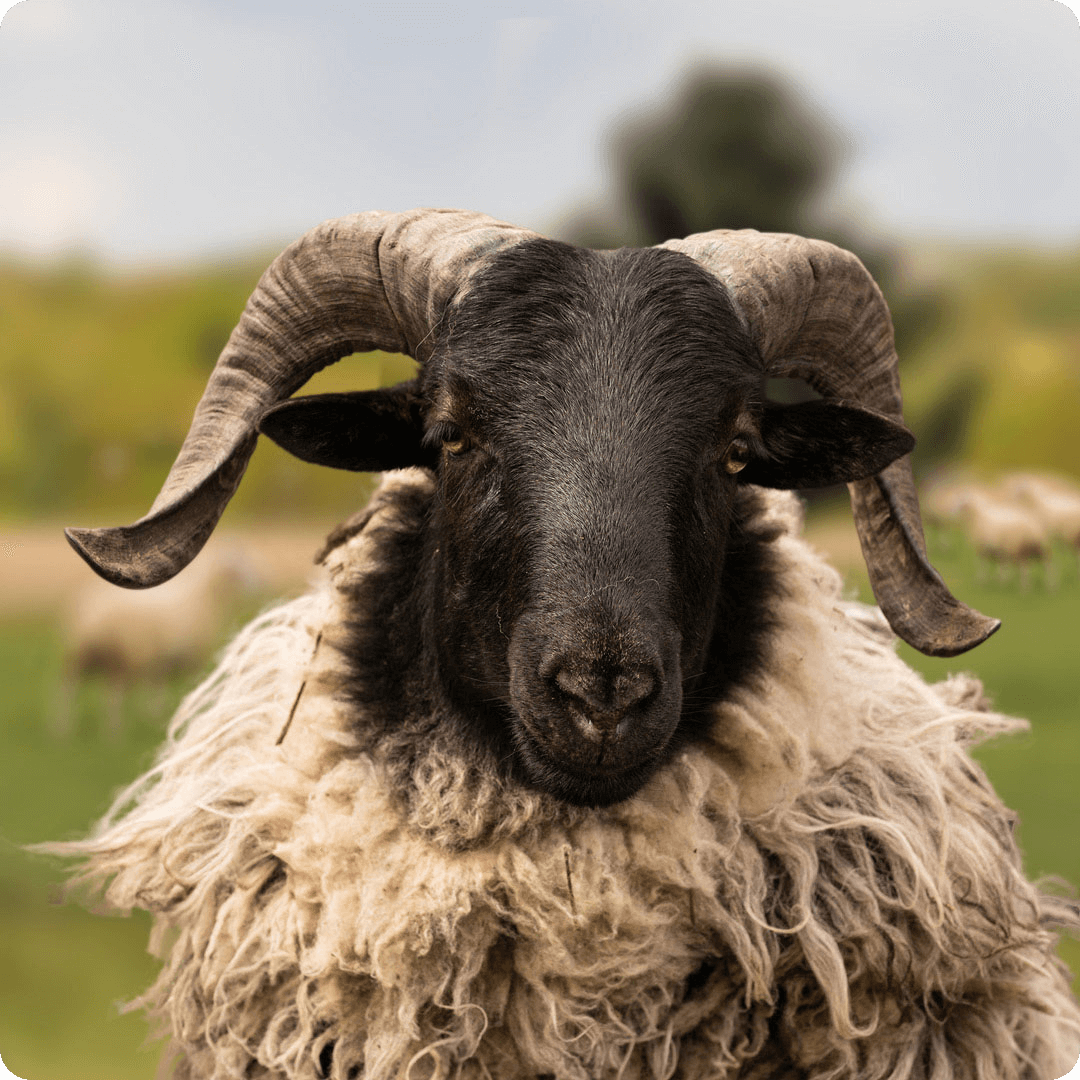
(604, 695)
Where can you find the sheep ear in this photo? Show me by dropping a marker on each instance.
(818, 443)
(367, 431)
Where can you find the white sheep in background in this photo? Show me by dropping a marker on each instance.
(1053, 500)
(140, 638)
(941, 500)
(941, 497)
(578, 765)
(1011, 520)
(1004, 533)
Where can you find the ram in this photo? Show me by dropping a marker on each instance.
(578, 765)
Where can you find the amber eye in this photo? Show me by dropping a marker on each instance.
(736, 455)
(448, 436)
(455, 441)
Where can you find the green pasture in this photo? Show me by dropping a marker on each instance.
(65, 972)
(100, 374)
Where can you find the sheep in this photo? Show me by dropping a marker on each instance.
(1013, 519)
(577, 763)
(941, 497)
(1004, 533)
(1054, 501)
(142, 637)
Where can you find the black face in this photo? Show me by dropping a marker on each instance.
(589, 413)
(593, 420)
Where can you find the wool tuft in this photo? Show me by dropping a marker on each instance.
(827, 887)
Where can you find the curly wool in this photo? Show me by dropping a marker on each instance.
(829, 888)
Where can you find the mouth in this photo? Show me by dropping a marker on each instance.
(593, 784)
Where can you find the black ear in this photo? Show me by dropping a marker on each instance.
(367, 431)
(818, 443)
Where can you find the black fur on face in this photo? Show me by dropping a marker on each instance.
(584, 583)
(582, 404)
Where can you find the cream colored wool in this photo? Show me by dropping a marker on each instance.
(832, 873)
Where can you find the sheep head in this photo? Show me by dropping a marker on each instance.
(590, 418)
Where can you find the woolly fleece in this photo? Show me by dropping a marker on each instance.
(829, 888)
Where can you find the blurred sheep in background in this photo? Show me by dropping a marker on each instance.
(1012, 521)
(941, 498)
(141, 638)
(1053, 500)
(1004, 534)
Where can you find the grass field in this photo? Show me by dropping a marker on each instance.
(66, 971)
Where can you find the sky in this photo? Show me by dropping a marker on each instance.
(144, 131)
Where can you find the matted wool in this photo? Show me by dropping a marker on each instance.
(827, 888)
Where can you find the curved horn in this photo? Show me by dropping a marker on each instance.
(367, 281)
(815, 313)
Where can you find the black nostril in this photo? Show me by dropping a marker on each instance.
(631, 686)
(605, 694)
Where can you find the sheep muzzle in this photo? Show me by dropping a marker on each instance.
(597, 697)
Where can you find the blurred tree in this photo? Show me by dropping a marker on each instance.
(734, 149)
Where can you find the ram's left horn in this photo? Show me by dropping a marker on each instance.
(367, 281)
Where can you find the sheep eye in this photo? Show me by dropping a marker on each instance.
(455, 441)
(447, 436)
(737, 455)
